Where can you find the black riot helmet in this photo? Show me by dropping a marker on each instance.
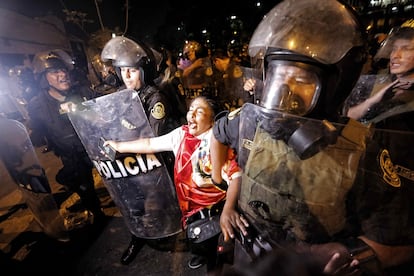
(49, 60)
(325, 40)
(124, 52)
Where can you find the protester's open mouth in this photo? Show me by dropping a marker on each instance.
(192, 125)
(395, 64)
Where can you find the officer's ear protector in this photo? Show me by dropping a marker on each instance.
(305, 136)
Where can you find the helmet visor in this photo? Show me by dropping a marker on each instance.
(322, 30)
(290, 88)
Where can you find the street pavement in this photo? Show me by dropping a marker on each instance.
(92, 250)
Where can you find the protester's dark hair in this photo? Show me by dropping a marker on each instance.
(214, 105)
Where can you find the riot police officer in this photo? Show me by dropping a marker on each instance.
(197, 78)
(137, 67)
(301, 186)
(49, 122)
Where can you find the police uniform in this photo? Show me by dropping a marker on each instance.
(199, 82)
(330, 196)
(296, 190)
(389, 173)
(230, 87)
(158, 110)
(159, 113)
(47, 121)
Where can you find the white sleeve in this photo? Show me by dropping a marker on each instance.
(168, 142)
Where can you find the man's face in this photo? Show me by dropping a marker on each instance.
(58, 79)
(131, 77)
(402, 57)
(290, 88)
(191, 55)
(220, 64)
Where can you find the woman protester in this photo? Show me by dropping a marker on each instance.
(199, 197)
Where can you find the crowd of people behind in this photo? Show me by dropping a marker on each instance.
(293, 125)
(219, 73)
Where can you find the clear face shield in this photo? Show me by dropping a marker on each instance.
(290, 87)
(308, 31)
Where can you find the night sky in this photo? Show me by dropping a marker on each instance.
(152, 19)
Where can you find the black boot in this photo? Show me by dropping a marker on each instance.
(133, 248)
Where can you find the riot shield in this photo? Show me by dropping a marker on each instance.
(364, 174)
(251, 73)
(287, 164)
(139, 184)
(366, 86)
(20, 160)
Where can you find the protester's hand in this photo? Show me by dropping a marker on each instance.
(335, 259)
(249, 85)
(231, 220)
(403, 84)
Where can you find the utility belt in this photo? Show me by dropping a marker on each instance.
(216, 209)
(192, 93)
(205, 224)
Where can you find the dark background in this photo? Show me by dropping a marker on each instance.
(160, 22)
(169, 23)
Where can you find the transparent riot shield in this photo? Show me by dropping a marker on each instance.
(20, 160)
(139, 184)
(352, 178)
(366, 86)
(251, 74)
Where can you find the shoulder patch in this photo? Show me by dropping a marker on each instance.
(234, 113)
(158, 111)
(390, 174)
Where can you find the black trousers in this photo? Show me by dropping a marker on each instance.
(77, 175)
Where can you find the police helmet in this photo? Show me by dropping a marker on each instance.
(405, 31)
(53, 59)
(124, 52)
(326, 45)
(48, 60)
(199, 50)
